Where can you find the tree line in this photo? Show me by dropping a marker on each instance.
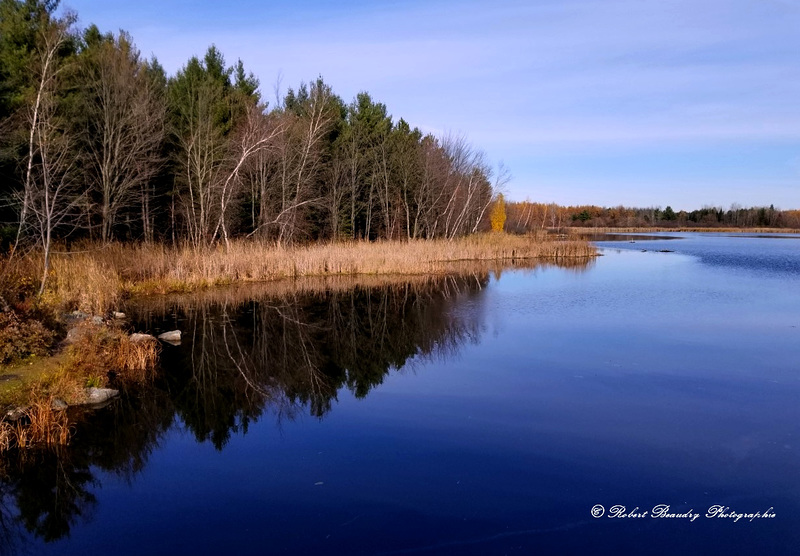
(100, 143)
(526, 216)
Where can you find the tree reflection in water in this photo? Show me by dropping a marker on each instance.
(294, 352)
(280, 348)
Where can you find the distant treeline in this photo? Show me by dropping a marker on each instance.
(526, 216)
(99, 143)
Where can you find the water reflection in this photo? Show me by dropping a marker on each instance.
(245, 352)
(46, 492)
(280, 349)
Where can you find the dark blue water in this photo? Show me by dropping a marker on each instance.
(483, 415)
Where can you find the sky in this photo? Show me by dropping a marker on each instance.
(686, 103)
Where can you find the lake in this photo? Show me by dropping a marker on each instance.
(645, 402)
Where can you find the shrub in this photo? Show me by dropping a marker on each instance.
(21, 338)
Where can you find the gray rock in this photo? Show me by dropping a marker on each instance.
(78, 315)
(74, 334)
(171, 336)
(97, 320)
(58, 405)
(16, 413)
(96, 396)
(118, 315)
(140, 337)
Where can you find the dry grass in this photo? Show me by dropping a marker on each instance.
(37, 425)
(161, 269)
(42, 425)
(6, 436)
(84, 282)
(102, 350)
(94, 278)
(136, 361)
(239, 293)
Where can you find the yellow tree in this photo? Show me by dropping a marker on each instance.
(498, 214)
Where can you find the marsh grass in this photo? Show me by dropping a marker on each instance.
(38, 424)
(135, 362)
(136, 269)
(42, 425)
(95, 279)
(143, 306)
(100, 353)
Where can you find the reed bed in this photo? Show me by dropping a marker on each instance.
(236, 294)
(37, 424)
(94, 280)
(103, 350)
(41, 425)
(84, 282)
(142, 268)
(136, 361)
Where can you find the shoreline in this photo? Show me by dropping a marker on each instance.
(583, 230)
(97, 281)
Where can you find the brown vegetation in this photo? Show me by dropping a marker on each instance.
(93, 280)
(103, 351)
(40, 425)
(100, 353)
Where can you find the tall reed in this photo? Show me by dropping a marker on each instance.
(38, 424)
(160, 269)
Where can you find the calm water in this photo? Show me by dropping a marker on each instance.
(486, 414)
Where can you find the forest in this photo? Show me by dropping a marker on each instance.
(526, 216)
(101, 144)
(98, 143)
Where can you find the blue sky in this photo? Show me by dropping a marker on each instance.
(635, 102)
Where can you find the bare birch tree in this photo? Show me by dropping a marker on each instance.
(123, 129)
(50, 193)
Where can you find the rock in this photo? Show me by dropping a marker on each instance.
(74, 334)
(58, 405)
(97, 320)
(173, 336)
(140, 337)
(118, 315)
(78, 315)
(96, 396)
(16, 413)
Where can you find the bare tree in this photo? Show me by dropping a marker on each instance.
(197, 100)
(292, 169)
(467, 186)
(123, 130)
(256, 135)
(51, 186)
(51, 38)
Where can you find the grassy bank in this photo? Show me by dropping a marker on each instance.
(40, 389)
(95, 279)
